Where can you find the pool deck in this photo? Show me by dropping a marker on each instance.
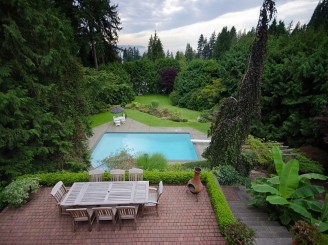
(133, 126)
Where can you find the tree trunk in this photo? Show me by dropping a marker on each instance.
(94, 52)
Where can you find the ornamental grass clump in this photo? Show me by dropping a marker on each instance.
(18, 192)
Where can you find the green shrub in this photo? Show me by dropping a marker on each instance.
(220, 206)
(309, 166)
(239, 233)
(227, 175)
(122, 160)
(17, 192)
(154, 104)
(260, 153)
(156, 161)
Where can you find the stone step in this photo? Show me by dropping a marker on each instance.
(273, 241)
(271, 231)
(261, 223)
(251, 216)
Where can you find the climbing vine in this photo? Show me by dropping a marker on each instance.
(232, 124)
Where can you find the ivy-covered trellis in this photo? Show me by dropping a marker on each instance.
(234, 117)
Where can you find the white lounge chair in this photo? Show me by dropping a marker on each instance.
(117, 121)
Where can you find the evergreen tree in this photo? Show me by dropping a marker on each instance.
(211, 45)
(200, 46)
(95, 23)
(223, 43)
(155, 48)
(320, 16)
(189, 53)
(44, 104)
(168, 54)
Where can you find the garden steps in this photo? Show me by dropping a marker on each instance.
(267, 232)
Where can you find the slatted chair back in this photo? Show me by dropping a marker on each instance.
(59, 191)
(135, 174)
(127, 212)
(105, 213)
(96, 175)
(81, 214)
(153, 199)
(117, 175)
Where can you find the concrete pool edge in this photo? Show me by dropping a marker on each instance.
(133, 126)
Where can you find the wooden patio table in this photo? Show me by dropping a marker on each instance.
(106, 193)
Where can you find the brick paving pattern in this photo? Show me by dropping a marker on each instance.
(182, 220)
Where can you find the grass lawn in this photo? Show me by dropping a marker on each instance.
(164, 102)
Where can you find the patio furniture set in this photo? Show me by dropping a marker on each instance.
(114, 200)
(119, 120)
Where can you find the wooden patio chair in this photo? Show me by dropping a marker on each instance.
(58, 192)
(135, 174)
(127, 212)
(81, 215)
(96, 175)
(153, 199)
(105, 213)
(117, 175)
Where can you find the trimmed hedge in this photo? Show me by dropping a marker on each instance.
(221, 209)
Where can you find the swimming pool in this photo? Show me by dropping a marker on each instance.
(174, 146)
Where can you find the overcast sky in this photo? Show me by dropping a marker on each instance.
(178, 22)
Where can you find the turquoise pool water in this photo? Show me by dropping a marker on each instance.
(174, 146)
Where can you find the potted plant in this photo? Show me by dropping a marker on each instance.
(238, 233)
(304, 233)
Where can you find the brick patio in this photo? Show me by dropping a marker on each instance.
(182, 220)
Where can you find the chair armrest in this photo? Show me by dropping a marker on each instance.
(152, 189)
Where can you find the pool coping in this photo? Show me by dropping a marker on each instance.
(134, 126)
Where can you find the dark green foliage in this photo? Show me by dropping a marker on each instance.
(144, 76)
(295, 88)
(319, 18)
(43, 100)
(276, 30)
(155, 48)
(309, 166)
(223, 43)
(95, 24)
(189, 53)
(227, 175)
(233, 63)
(107, 89)
(220, 206)
(239, 233)
(199, 78)
(118, 70)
